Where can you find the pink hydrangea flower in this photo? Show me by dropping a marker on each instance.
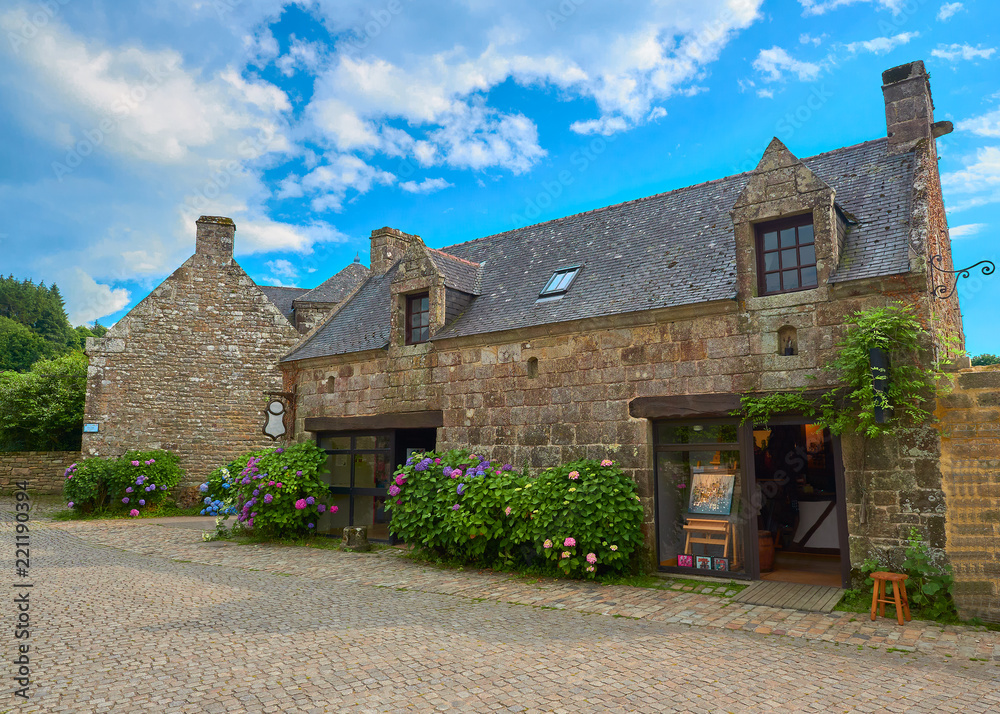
(590, 568)
(437, 461)
(507, 510)
(400, 479)
(270, 483)
(279, 484)
(334, 509)
(607, 462)
(614, 547)
(547, 543)
(135, 463)
(565, 554)
(69, 505)
(134, 513)
(300, 504)
(574, 475)
(591, 558)
(569, 542)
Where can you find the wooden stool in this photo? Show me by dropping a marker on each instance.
(879, 599)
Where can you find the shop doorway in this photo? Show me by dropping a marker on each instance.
(801, 524)
(359, 469)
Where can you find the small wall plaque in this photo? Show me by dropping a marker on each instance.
(91, 428)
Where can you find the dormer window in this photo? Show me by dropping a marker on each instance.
(418, 319)
(559, 282)
(786, 255)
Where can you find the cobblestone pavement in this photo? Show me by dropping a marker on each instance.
(142, 616)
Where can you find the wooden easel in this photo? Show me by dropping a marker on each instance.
(708, 531)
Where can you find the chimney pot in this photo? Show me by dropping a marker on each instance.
(215, 237)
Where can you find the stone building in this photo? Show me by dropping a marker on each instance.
(187, 368)
(630, 331)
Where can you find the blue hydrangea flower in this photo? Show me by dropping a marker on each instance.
(207, 500)
(225, 485)
(203, 488)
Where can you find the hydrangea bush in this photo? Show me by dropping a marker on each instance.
(273, 492)
(134, 482)
(582, 518)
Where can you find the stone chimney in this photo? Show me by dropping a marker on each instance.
(909, 109)
(388, 246)
(215, 238)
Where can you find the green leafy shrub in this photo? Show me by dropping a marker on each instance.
(579, 519)
(133, 482)
(278, 492)
(929, 585)
(984, 360)
(43, 408)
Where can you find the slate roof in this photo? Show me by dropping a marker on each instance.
(283, 297)
(338, 287)
(459, 274)
(674, 248)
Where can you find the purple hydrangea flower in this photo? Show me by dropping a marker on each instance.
(321, 508)
(142, 502)
(298, 473)
(125, 500)
(268, 498)
(508, 467)
(446, 471)
(461, 489)
(279, 450)
(312, 525)
(69, 505)
(310, 500)
(455, 507)
(394, 490)
(141, 480)
(128, 490)
(256, 492)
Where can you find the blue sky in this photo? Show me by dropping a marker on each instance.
(311, 123)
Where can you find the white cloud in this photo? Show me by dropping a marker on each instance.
(969, 229)
(978, 183)
(773, 64)
(985, 125)
(330, 182)
(955, 52)
(765, 93)
(806, 39)
(429, 185)
(263, 235)
(948, 9)
(881, 45)
(86, 299)
(819, 7)
(282, 270)
(301, 54)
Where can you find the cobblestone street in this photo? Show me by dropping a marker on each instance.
(139, 616)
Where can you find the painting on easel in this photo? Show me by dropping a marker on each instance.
(711, 493)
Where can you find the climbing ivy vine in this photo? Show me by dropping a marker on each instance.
(853, 406)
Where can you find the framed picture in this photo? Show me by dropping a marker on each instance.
(685, 561)
(720, 563)
(703, 562)
(711, 493)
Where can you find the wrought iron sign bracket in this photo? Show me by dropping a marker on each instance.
(945, 291)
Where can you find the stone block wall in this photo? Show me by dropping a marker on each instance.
(187, 369)
(577, 405)
(970, 465)
(43, 470)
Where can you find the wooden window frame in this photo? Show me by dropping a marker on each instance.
(426, 322)
(796, 222)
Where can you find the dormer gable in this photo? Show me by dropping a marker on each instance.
(785, 225)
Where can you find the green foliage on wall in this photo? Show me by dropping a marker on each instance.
(854, 406)
(43, 408)
(985, 360)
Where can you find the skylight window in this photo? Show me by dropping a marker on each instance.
(559, 282)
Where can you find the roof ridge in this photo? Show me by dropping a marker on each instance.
(282, 287)
(455, 257)
(653, 196)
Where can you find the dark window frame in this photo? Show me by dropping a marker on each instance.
(425, 322)
(796, 222)
(547, 291)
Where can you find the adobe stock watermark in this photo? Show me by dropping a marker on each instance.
(581, 159)
(110, 123)
(220, 179)
(38, 18)
(562, 12)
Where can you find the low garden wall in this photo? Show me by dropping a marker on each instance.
(43, 470)
(970, 473)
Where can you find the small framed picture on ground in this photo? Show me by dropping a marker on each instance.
(720, 563)
(703, 562)
(685, 561)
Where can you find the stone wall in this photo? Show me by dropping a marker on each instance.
(43, 470)
(587, 373)
(187, 369)
(970, 464)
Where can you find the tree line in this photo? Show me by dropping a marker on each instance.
(43, 370)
